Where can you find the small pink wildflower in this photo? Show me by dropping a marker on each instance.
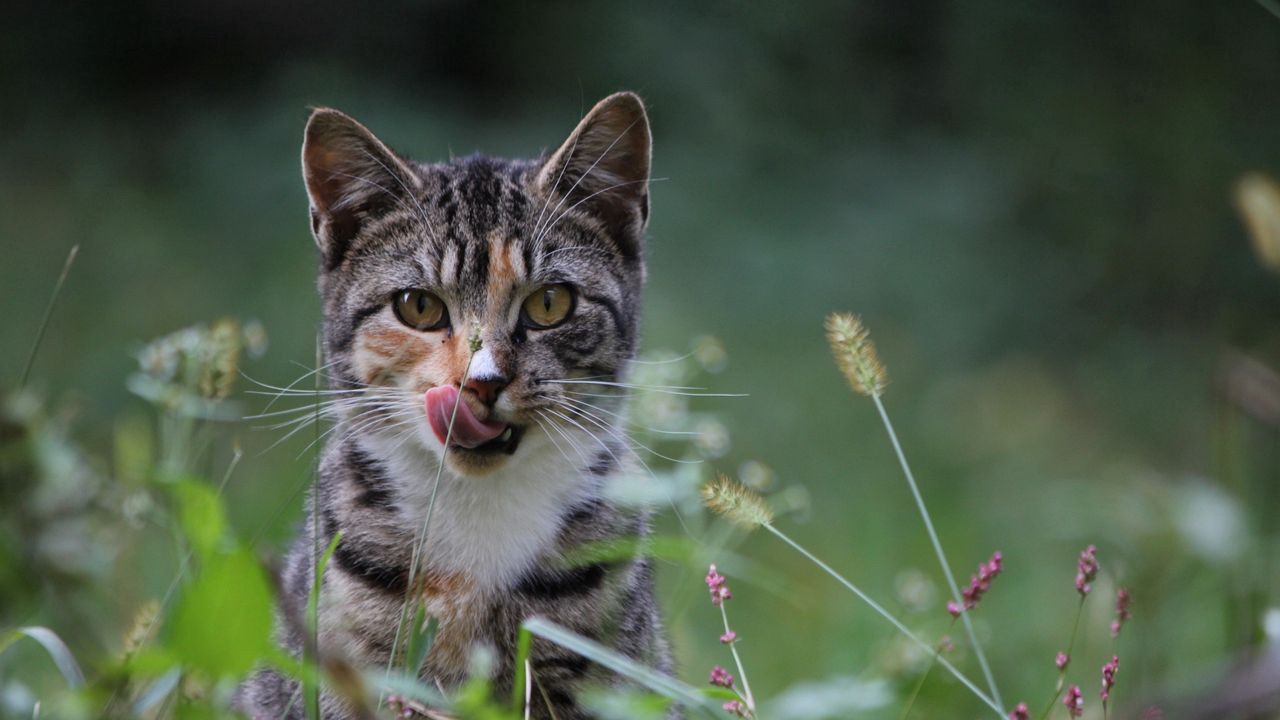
(946, 644)
(1021, 712)
(716, 584)
(1122, 611)
(1074, 701)
(1086, 570)
(728, 637)
(1062, 661)
(1109, 677)
(737, 707)
(978, 584)
(721, 677)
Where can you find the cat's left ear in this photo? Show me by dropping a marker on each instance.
(351, 176)
(604, 167)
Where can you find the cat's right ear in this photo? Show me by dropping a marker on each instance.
(350, 175)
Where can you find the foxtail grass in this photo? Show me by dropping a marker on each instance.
(740, 505)
(856, 356)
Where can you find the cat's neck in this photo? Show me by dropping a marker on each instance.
(492, 527)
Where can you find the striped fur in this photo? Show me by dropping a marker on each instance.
(481, 233)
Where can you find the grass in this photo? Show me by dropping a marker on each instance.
(186, 668)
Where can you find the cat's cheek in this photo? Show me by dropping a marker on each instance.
(386, 355)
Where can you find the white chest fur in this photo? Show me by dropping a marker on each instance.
(493, 527)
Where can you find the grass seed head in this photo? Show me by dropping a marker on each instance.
(735, 502)
(856, 354)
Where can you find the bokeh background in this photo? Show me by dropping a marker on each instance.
(1030, 204)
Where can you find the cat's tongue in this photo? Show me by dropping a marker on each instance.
(468, 430)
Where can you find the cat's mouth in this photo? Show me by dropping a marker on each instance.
(455, 425)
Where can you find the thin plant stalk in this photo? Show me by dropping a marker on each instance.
(1062, 674)
(942, 557)
(892, 620)
(911, 701)
(48, 313)
(312, 689)
(421, 541)
(742, 671)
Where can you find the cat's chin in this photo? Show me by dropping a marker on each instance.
(486, 458)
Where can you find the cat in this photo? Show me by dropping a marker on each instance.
(522, 275)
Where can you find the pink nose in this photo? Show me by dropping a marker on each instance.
(487, 388)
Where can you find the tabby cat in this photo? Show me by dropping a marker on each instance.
(463, 303)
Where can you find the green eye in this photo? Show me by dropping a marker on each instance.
(548, 306)
(420, 309)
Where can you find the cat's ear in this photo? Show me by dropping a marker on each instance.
(350, 175)
(604, 167)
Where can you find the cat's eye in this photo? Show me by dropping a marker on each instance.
(548, 306)
(420, 309)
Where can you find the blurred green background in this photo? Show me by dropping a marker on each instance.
(1029, 204)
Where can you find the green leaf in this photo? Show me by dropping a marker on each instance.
(223, 624)
(53, 645)
(311, 681)
(201, 514)
(664, 685)
(421, 635)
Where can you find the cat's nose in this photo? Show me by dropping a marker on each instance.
(487, 388)
(485, 378)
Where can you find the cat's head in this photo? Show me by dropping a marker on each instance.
(538, 263)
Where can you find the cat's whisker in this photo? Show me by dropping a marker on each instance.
(550, 423)
(605, 446)
(682, 358)
(360, 427)
(629, 421)
(643, 388)
(623, 435)
(670, 500)
(297, 380)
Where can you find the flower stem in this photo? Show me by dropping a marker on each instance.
(924, 676)
(1062, 674)
(742, 672)
(942, 558)
(892, 620)
(421, 542)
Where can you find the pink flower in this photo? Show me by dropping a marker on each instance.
(1020, 713)
(716, 584)
(1109, 677)
(978, 584)
(736, 707)
(1122, 611)
(1086, 570)
(1074, 701)
(721, 677)
(728, 637)
(1062, 661)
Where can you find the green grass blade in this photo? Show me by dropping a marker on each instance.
(421, 636)
(48, 313)
(57, 650)
(524, 643)
(310, 679)
(657, 682)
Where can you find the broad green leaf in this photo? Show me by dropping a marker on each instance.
(223, 624)
(202, 516)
